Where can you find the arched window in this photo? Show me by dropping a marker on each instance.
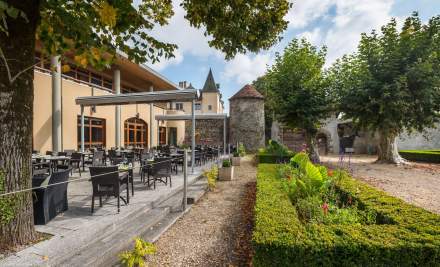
(135, 132)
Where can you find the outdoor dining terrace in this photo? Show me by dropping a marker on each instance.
(74, 229)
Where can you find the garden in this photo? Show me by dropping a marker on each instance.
(308, 215)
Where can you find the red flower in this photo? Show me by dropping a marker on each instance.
(329, 172)
(325, 208)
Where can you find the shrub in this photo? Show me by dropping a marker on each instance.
(236, 154)
(226, 163)
(241, 150)
(136, 257)
(392, 233)
(211, 175)
(431, 156)
(274, 153)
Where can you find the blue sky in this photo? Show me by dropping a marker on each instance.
(334, 23)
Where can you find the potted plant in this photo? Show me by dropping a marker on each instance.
(235, 159)
(226, 173)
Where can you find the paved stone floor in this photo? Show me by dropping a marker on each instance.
(76, 227)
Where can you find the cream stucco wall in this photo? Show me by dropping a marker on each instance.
(42, 125)
(212, 99)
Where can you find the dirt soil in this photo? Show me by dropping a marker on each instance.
(416, 183)
(217, 230)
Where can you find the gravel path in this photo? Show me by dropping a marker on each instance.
(212, 232)
(416, 183)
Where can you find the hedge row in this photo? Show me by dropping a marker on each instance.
(264, 157)
(411, 237)
(432, 156)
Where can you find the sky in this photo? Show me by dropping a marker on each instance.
(334, 23)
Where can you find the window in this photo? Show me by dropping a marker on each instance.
(135, 132)
(162, 135)
(172, 136)
(94, 132)
(179, 106)
(209, 107)
(198, 106)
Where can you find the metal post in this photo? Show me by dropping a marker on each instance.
(117, 87)
(185, 177)
(82, 128)
(158, 133)
(224, 133)
(151, 121)
(193, 142)
(56, 103)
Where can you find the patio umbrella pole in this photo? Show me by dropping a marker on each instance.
(224, 136)
(193, 134)
(82, 128)
(185, 177)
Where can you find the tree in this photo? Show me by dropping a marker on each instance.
(392, 83)
(261, 84)
(298, 89)
(92, 32)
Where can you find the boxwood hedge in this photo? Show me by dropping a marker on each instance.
(432, 156)
(407, 235)
(265, 157)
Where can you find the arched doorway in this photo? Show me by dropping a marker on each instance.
(135, 132)
(322, 142)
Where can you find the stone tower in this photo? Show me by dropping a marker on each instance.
(246, 124)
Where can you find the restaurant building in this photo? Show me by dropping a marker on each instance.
(56, 124)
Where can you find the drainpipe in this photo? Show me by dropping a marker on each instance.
(56, 103)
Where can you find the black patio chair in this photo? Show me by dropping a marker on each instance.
(107, 181)
(52, 200)
(40, 167)
(161, 171)
(75, 161)
(97, 159)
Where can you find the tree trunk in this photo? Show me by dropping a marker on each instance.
(387, 149)
(16, 118)
(312, 148)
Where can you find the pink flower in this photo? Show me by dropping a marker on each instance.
(325, 208)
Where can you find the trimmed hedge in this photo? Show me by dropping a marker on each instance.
(411, 236)
(432, 156)
(265, 157)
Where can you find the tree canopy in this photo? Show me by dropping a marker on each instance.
(297, 89)
(94, 31)
(392, 82)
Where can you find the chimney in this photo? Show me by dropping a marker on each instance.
(184, 85)
(181, 84)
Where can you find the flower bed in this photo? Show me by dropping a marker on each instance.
(402, 235)
(274, 153)
(431, 156)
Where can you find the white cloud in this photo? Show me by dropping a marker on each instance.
(314, 36)
(246, 68)
(352, 18)
(304, 12)
(188, 39)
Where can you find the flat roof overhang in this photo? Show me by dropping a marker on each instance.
(186, 95)
(187, 117)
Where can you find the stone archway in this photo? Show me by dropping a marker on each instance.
(323, 140)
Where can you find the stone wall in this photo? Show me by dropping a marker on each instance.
(428, 140)
(246, 123)
(208, 132)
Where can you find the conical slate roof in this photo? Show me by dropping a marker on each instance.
(210, 85)
(248, 91)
